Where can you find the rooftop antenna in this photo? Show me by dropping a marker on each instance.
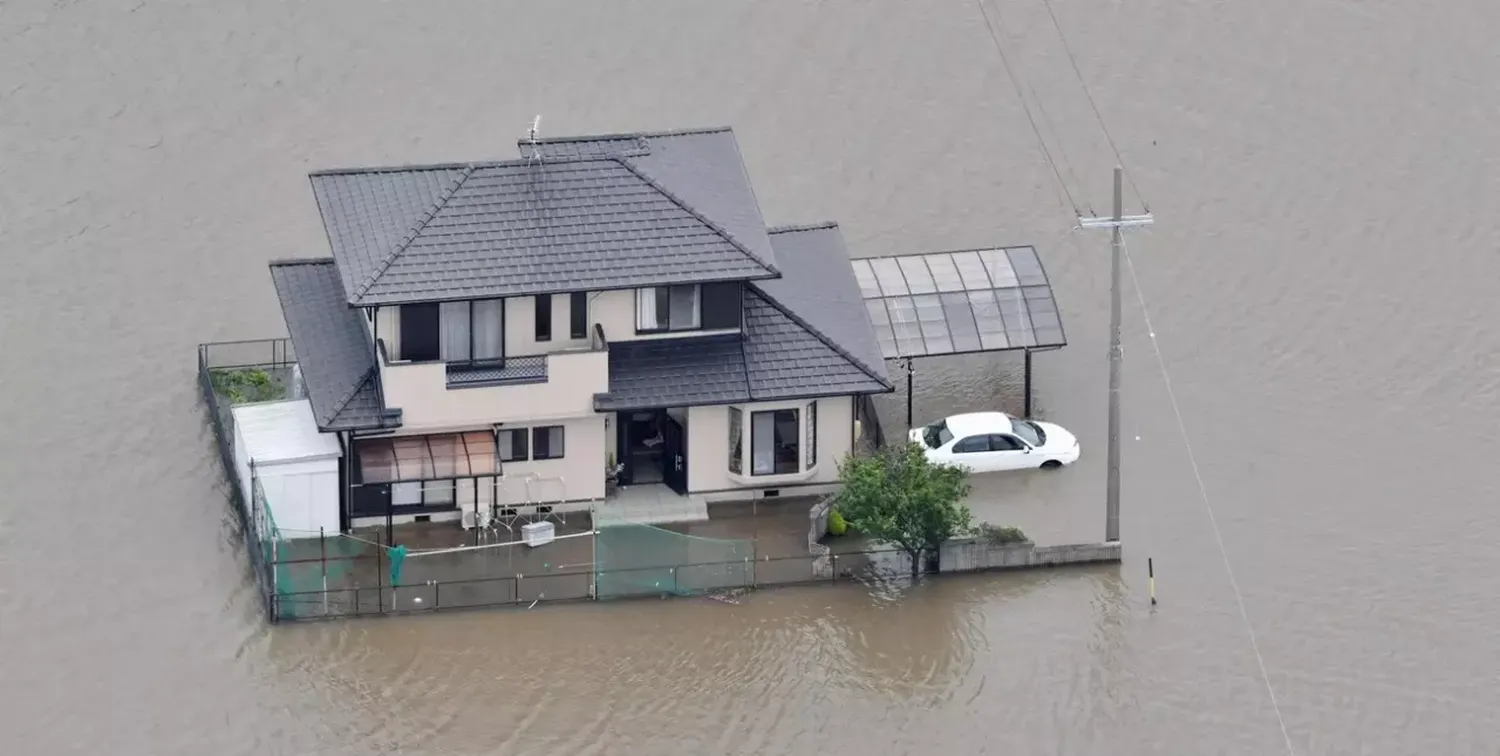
(536, 123)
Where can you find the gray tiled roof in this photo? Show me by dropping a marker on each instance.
(818, 288)
(675, 372)
(333, 349)
(702, 166)
(782, 353)
(591, 213)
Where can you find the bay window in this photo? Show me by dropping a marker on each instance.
(811, 449)
(775, 442)
(736, 440)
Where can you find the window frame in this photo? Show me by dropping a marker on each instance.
(656, 301)
(578, 315)
(810, 436)
(542, 318)
(776, 468)
(468, 313)
(536, 448)
(524, 455)
(736, 441)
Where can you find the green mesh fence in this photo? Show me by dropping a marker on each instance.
(642, 560)
(311, 572)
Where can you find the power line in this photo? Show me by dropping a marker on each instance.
(1009, 72)
(1041, 107)
(1213, 520)
(1086, 93)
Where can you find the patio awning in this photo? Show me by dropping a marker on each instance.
(941, 303)
(436, 457)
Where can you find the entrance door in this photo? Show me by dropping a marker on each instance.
(674, 454)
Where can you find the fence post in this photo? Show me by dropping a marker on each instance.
(437, 595)
(835, 577)
(518, 588)
(749, 576)
(379, 576)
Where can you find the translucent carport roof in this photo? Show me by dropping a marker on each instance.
(937, 303)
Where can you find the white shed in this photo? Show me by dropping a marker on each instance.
(297, 464)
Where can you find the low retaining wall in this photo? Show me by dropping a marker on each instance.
(975, 554)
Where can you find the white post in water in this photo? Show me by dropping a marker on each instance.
(1116, 224)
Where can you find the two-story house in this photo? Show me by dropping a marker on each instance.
(502, 332)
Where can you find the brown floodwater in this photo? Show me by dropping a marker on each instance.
(1321, 280)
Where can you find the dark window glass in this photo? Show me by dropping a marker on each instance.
(1000, 442)
(547, 442)
(972, 444)
(419, 332)
(578, 315)
(722, 305)
(544, 317)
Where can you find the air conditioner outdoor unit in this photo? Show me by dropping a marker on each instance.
(535, 534)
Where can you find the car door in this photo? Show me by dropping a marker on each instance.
(973, 454)
(1010, 453)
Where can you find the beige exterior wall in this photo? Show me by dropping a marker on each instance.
(578, 476)
(708, 447)
(421, 391)
(520, 327)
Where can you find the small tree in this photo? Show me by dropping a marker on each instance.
(898, 496)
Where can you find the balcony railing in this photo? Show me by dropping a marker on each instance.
(511, 371)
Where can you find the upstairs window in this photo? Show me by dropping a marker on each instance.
(668, 308)
(578, 315)
(453, 331)
(544, 317)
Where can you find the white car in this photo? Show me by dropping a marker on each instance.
(993, 441)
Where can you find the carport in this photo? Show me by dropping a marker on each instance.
(938, 304)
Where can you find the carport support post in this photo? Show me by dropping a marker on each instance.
(1027, 413)
(909, 370)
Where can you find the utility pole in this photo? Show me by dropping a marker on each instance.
(1116, 224)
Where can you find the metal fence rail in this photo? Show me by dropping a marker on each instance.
(524, 591)
(276, 354)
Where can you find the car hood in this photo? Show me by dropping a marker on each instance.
(1058, 437)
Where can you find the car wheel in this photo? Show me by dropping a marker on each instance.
(1051, 464)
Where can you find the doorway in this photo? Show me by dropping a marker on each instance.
(654, 447)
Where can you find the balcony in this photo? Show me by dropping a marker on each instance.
(442, 395)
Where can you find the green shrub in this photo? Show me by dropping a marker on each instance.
(1000, 535)
(836, 524)
(248, 385)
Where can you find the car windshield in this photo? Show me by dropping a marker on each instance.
(1029, 432)
(937, 434)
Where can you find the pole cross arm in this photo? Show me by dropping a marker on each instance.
(1125, 221)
